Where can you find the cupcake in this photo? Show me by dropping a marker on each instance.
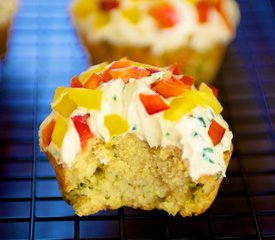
(7, 11)
(192, 33)
(130, 134)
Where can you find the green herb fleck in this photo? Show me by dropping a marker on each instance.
(202, 121)
(134, 128)
(195, 134)
(209, 150)
(212, 113)
(114, 98)
(206, 152)
(167, 134)
(219, 176)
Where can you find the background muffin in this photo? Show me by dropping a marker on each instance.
(194, 33)
(7, 11)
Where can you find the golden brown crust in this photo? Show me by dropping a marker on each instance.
(145, 178)
(4, 36)
(203, 66)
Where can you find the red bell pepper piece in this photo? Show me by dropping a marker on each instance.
(84, 132)
(153, 103)
(129, 72)
(46, 133)
(108, 5)
(175, 69)
(216, 132)
(165, 14)
(75, 82)
(171, 87)
(187, 80)
(93, 81)
(214, 90)
(220, 9)
(202, 9)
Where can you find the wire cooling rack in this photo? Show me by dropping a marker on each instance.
(44, 53)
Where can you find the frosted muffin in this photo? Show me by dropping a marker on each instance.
(129, 134)
(7, 11)
(192, 33)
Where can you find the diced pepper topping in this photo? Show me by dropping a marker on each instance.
(175, 69)
(46, 133)
(207, 87)
(123, 63)
(84, 76)
(87, 98)
(75, 82)
(188, 80)
(171, 87)
(216, 132)
(58, 93)
(165, 15)
(116, 124)
(101, 19)
(93, 81)
(204, 99)
(178, 108)
(189, 100)
(202, 9)
(129, 72)
(84, 132)
(132, 14)
(220, 9)
(84, 8)
(108, 5)
(59, 130)
(64, 105)
(153, 103)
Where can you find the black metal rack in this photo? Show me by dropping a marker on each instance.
(45, 53)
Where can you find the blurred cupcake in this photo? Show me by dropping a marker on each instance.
(7, 11)
(192, 33)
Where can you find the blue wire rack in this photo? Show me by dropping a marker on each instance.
(45, 52)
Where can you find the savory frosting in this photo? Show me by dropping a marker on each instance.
(183, 120)
(132, 24)
(7, 10)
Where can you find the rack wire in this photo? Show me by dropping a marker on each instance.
(45, 52)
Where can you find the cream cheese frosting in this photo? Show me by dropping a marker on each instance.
(189, 133)
(188, 31)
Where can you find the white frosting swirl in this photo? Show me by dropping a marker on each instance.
(187, 32)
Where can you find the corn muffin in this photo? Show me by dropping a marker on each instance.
(7, 11)
(193, 33)
(131, 134)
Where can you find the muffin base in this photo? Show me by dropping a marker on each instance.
(127, 172)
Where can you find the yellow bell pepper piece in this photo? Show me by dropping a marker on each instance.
(59, 130)
(132, 14)
(64, 105)
(189, 100)
(87, 98)
(116, 124)
(101, 19)
(58, 93)
(84, 8)
(178, 107)
(91, 70)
